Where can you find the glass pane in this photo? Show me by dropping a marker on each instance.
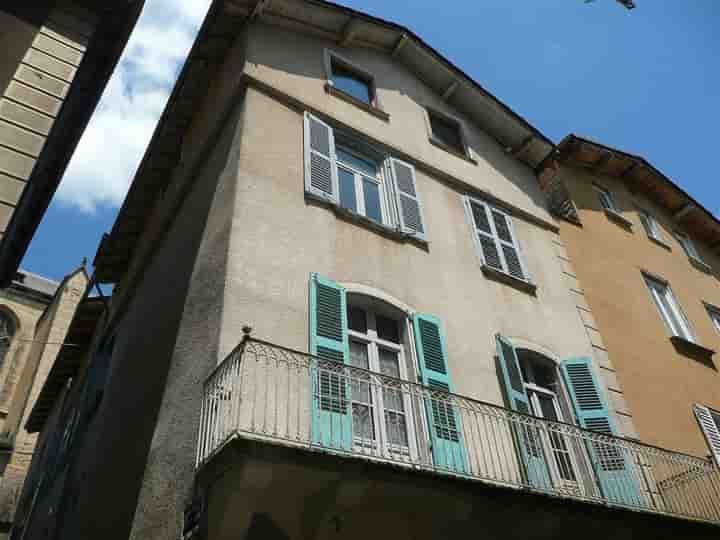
(396, 428)
(348, 198)
(363, 425)
(389, 365)
(447, 132)
(351, 83)
(357, 319)
(355, 160)
(547, 408)
(372, 200)
(359, 388)
(387, 329)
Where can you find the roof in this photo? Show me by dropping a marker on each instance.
(641, 176)
(330, 21)
(35, 283)
(118, 18)
(68, 361)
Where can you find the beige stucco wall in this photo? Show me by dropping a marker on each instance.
(660, 384)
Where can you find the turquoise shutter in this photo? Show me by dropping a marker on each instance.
(527, 437)
(613, 464)
(443, 419)
(331, 415)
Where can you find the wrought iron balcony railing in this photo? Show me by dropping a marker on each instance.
(266, 392)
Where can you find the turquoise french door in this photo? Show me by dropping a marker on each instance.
(444, 423)
(527, 436)
(612, 463)
(331, 423)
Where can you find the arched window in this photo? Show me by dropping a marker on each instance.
(7, 331)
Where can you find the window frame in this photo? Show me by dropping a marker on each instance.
(381, 179)
(499, 242)
(714, 313)
(374, 344)
(331, 57)
(681, 320)
(463, 152)
(651, 226)
(603, 191)
(691, 250)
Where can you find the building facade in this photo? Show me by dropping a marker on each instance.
(35, 314)
(646, 255)
(55, 60)
(343, 308)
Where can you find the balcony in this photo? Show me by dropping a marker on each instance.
(272, 395)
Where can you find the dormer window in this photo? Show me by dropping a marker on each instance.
(349, 81)
(447, 133)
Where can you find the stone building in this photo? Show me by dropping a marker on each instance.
(34, 317)
(343, 308)
(55, 60)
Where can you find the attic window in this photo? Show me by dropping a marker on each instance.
(349, 79)
(446, 132)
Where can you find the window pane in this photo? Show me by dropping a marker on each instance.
(348, 198)
(357, 319)
(547, 407)
(372, 200)
(396, 428)
(447, 132)
(363, 425)
(362, 163)
(359, 388)
(389, 366)
(387, 329)
(606, 200)
(351, 83)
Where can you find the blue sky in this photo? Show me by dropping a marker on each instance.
(646, 81)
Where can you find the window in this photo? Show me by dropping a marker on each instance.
(350, 80)
(354, 175)
(689, 247)
(709, 421)
(7, 331)
(446, 131)
(669, 308)
(360, 183)
(714, 316)
(543, 388)
(606, 199)
(495, 239)
(380, 409)
(652, 227)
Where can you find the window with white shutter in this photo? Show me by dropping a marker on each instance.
(650, 224)
(607, 201)
(357, 176)
(709, 421)
(669, 308)
(495, 238)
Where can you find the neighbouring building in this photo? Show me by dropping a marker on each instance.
(647, 256)
(343, 308)
(34, 315)
(56, 57)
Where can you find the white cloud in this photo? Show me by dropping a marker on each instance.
(114, 142)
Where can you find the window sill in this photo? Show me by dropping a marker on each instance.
(619, 219)
(451, 150)
(379, 113)
(357, 219)
(507, 279)
(693, 350)
(660, 243)
(701, 265)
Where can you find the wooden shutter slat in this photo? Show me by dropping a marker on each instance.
(710, 428)
(321, 178)
(407, 198)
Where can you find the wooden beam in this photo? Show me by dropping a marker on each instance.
(260, 6)
(630, 168)
(450, 90)
(684, 211)
(349, 32)
(400, 44)
(600, 163)
(521, 147)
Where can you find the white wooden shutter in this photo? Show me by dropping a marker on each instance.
(710, 424)
(321, 177)
(410, 217)
(495, 238)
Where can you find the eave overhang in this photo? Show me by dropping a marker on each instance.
(117, 19)
(640, 176)
(323, 19)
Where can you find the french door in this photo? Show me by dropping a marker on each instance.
(382, 422)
